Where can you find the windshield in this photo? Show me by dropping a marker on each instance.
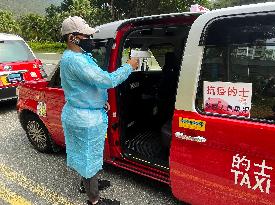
(14, 50)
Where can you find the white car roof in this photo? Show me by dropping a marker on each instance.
(202, 20)
(6, 37)
(109, 30)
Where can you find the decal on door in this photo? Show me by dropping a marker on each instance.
(42, 109)
(227, 98)
(192, 124)
(259, 180)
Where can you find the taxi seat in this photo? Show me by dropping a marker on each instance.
(166, 135)
(168, 87)
(167, 97)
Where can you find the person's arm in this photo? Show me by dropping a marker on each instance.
(94, 75)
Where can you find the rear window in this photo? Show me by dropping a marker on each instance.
(14, 51)
(238, 68)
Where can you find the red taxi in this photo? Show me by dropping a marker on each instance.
(199, 113)
(17, 63)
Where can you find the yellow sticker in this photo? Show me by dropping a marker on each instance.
(42, 109)
(192, 124)
(4, 80)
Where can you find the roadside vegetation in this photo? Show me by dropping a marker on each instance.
(47, 47)
(43, 31)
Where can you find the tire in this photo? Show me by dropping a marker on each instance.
(38, 134)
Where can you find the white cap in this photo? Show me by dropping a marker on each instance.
(76, 24)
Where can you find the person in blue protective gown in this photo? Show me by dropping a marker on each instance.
(84, 118)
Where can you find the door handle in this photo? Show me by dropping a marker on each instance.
(199, 139)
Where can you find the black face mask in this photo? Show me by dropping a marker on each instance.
(86, 45)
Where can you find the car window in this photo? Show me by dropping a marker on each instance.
(238, 69)
(164, 45)
(156, 60)
(14, 50)
(101, 52)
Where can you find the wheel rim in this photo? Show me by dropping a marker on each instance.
(37, 134)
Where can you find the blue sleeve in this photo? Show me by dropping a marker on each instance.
(94, 75)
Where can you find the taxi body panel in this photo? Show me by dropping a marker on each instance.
(231, 160)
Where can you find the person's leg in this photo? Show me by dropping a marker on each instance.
(91, 187)
(102, 185)
(81, 187)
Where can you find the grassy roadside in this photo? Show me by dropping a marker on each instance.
(47, 47)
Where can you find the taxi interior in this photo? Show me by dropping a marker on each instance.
(147, 98)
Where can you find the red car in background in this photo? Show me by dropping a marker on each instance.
(17, 64)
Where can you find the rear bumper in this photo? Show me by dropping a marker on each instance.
(7, 93)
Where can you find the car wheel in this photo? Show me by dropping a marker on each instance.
(38, 134)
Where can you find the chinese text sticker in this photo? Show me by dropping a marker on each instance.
(257, 180)
(192, 124)
(227, 98)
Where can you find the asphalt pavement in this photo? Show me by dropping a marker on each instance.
(29, 177)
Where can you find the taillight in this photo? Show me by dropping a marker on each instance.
(42, 71)
(18, 90)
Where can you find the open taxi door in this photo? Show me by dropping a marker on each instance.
(223, 133)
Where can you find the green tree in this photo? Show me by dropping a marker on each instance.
(97, 12)
(33, 27)
(65, 5)
(52, 10)
(121, 9)
(55, 16)
(84, 9)
(8, 23)
(53, 26)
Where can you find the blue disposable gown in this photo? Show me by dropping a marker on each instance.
(84, 120)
